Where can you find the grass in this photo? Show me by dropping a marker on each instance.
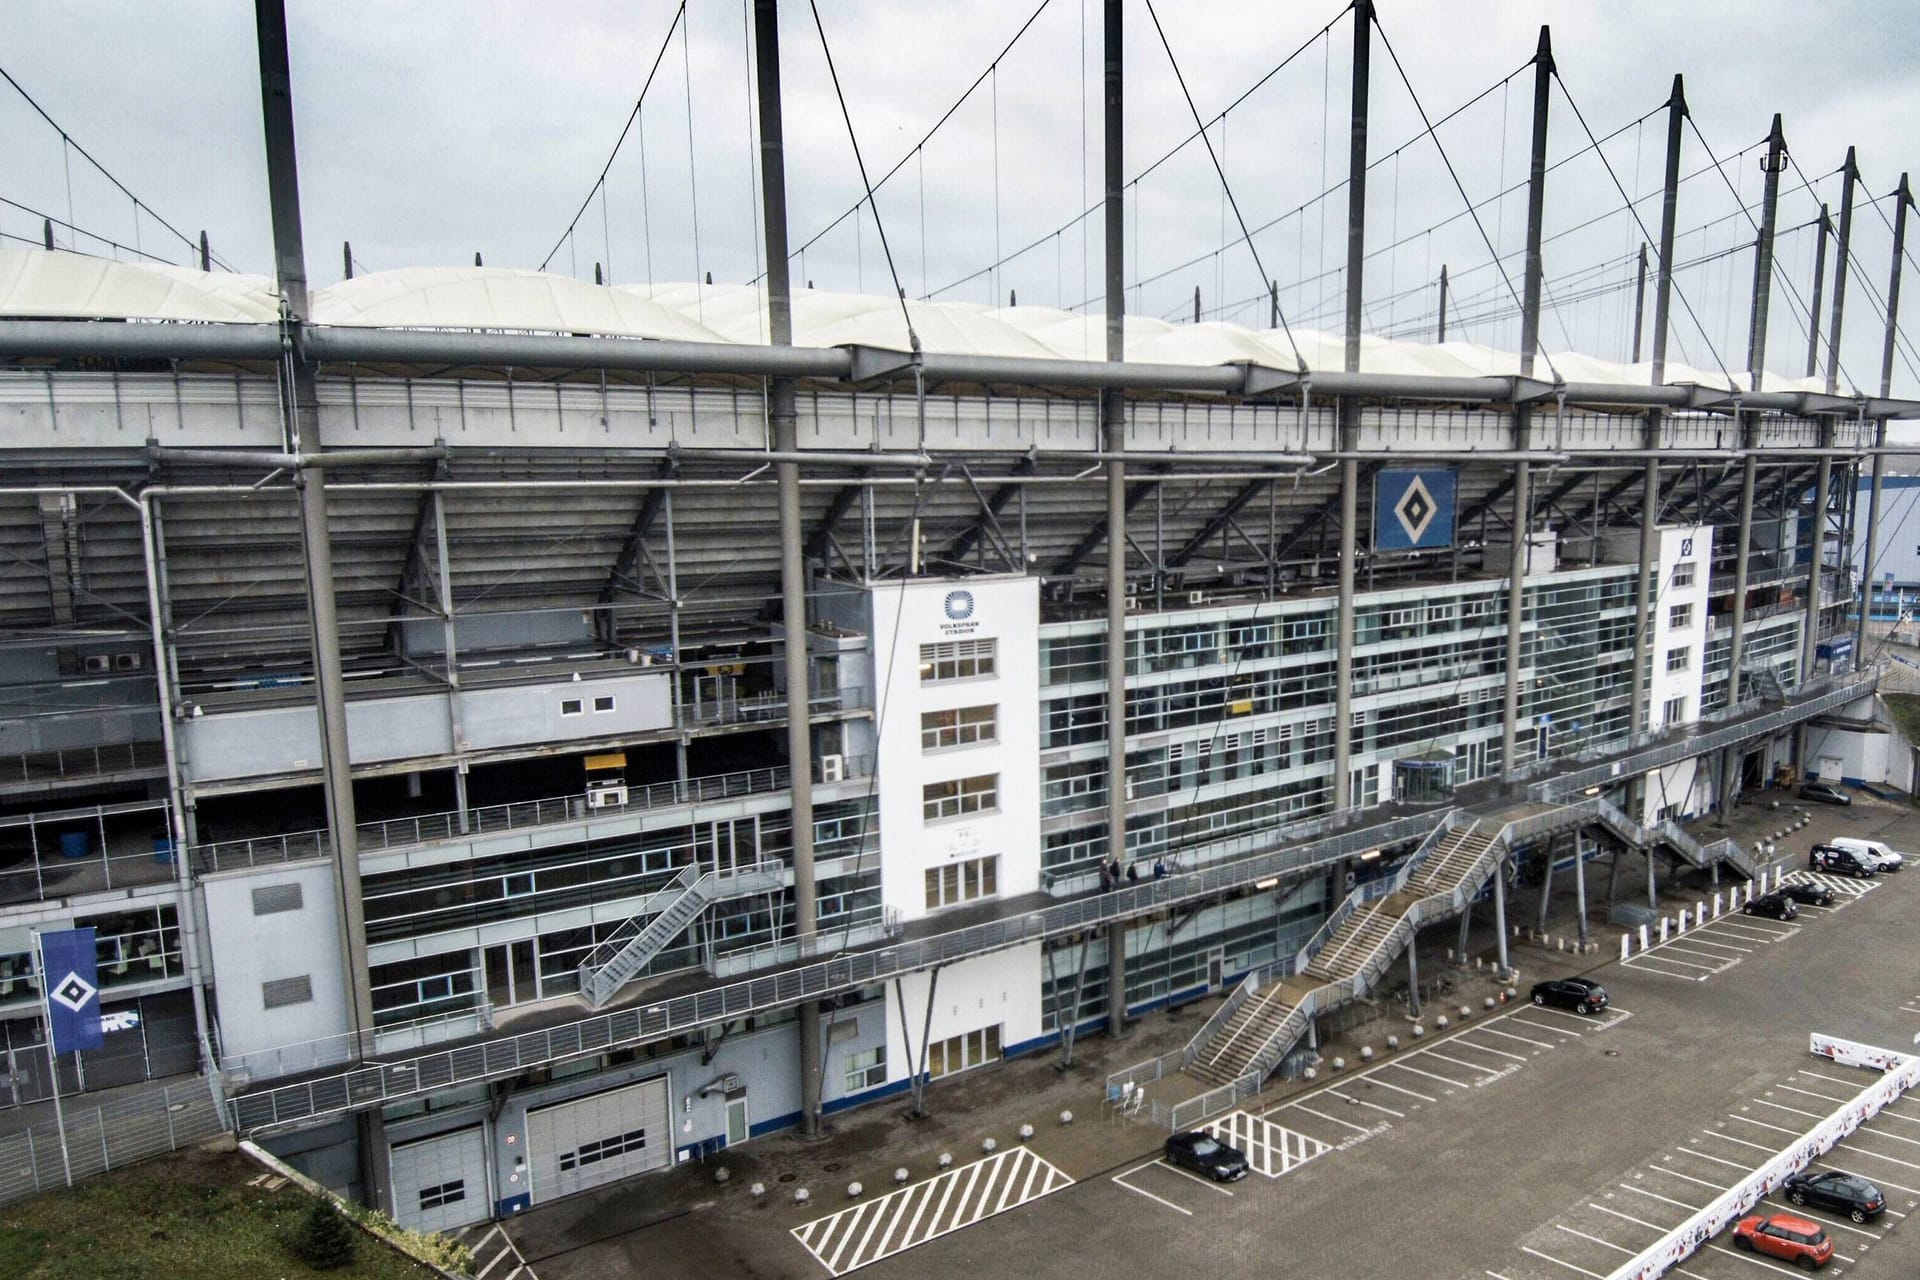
(188, 1216)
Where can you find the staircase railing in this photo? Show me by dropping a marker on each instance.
(658, 901)
(1242, 995)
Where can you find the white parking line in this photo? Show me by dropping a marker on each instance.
(1705, 941)
(1750, 927)
(1397, 1089)
(1904, 1164)
(1568, 1265)
(1894, 1137)
(1357, 1128)
(1120, 1178)
(1538, 1044)
(1828, 1097)
(1194, 1177)
(1882, 1182)
(1762, 1124)
(1596, 1239)
(1651, 1226)
(1685, 1177)
(1562, 1013)
(1699, 1154)
(1490, 1072)
(1464, 1043)
(1458, 1084)
(1747, 1257)
(1715, 1133)
(1654, 1195)
(1361, 1102)
(1853, 1084)
(1781, 1106)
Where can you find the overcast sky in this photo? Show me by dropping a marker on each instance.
(432, 129)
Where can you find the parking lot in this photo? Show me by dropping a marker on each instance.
(1533, 1142)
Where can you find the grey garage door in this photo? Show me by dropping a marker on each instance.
(441, 1182)
(603, 1138)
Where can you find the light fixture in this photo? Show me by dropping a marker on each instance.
(1271, 882)
(1369, 855)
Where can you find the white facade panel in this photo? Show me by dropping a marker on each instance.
(1000, 990)
(927, 612)
(251, 950)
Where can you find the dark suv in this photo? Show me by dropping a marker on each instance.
(1829, 857)
(1775, 906)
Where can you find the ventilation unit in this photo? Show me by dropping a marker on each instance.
(833, 768)
(607, 797)
(95, 664)
(1196, 597)
(127, 661)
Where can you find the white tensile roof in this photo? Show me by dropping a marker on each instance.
(39, 284)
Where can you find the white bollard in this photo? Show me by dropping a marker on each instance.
(1682, 926)
(901, 1175)
(1663, 928)
(1026, 1133)
(1066, 1117)
(1626, 945)
(1643, 937)
(1699, 913)
(853, 1190)
(1366, 1053)
(1716, 904)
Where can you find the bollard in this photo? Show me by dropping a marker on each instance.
(757, 1190)
(1418, 1031)
(1066, 1117)
(1309, 1074)
(1440, 1023)
(1465, 1011)
(1339, 1064)
(802, 1196)
(722, 1174)
(946, 1159)
(1663, 928)
(988, 1146)
(1489, 1002)
(1393, 1042)
(1699, 914)
(901, 1175)
(1026, 1133)
(1626, 945)
(1366, 1053)
(1716, 905)
(853, 1190)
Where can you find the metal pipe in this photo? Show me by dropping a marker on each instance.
(1349, 408)
(1750, 426)
(1440, 334)
(1842, 249)
(1523, 414)
(1669, 211)
(1639, 301)
(283, 169)
(1904, 199)
(782, 417)
(176, 804)
(1825, 226)
(1113, 434)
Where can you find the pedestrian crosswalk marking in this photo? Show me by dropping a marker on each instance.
(875, 1229)
(1845, 886)
(1270, 1149)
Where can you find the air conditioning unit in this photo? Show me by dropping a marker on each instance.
(606, 797)
(95, 664)
(127, 661)
(1133, 604)
(1196, 597)
(833, 768)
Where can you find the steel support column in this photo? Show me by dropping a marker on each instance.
(443, 597)
(1113, 435)
(1902, 200)
(1523, 414)
(781, 417)
(1824, 230)
(1775, 161)
(1640, 718)
(1349, 413)
(1500, 915)
(1842, 251)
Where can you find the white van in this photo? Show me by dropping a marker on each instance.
(1889, 859)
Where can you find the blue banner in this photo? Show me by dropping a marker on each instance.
(73, 989)
(1413, 510)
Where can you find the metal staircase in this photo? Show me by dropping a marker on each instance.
(662, 918)
(1763, 682)
(1263, 1019)
(1689, 850)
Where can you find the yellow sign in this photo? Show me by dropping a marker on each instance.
(611, 760)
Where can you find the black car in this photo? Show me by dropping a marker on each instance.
(1829, 857)
(1809, 892)
(1582, 995)
(1842, 1192)
(1775, 906)
(1825, 793)
(1206, 1155)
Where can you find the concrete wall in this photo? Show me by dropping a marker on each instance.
(250, 949)
(276, 740)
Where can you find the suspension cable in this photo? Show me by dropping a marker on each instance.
(679, 15)
(1224, 185)
(1452, 173)
(899, 293)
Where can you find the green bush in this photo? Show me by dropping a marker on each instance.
(324, 1240)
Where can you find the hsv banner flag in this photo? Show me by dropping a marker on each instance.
(72, 988)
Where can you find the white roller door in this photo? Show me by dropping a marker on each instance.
(441, 1182)
(589, 1141)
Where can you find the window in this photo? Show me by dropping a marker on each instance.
(1680, 617)
(961, 727)
(518, 884)
(1675, 711)
(867, 1069)
(282, 992)
(1683, 574)
(270, 898)
(973, 1049)
(570, 706)
(444, 1194)
(605, 1149)
(604, 702)
(959, 882)
(1679, 659)
(979, 794)
(956, 660)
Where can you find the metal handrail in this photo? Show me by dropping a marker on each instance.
(659, 900)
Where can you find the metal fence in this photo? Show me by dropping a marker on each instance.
(105, 1136)
(398, 833)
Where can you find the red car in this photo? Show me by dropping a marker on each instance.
(1782, 1235)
